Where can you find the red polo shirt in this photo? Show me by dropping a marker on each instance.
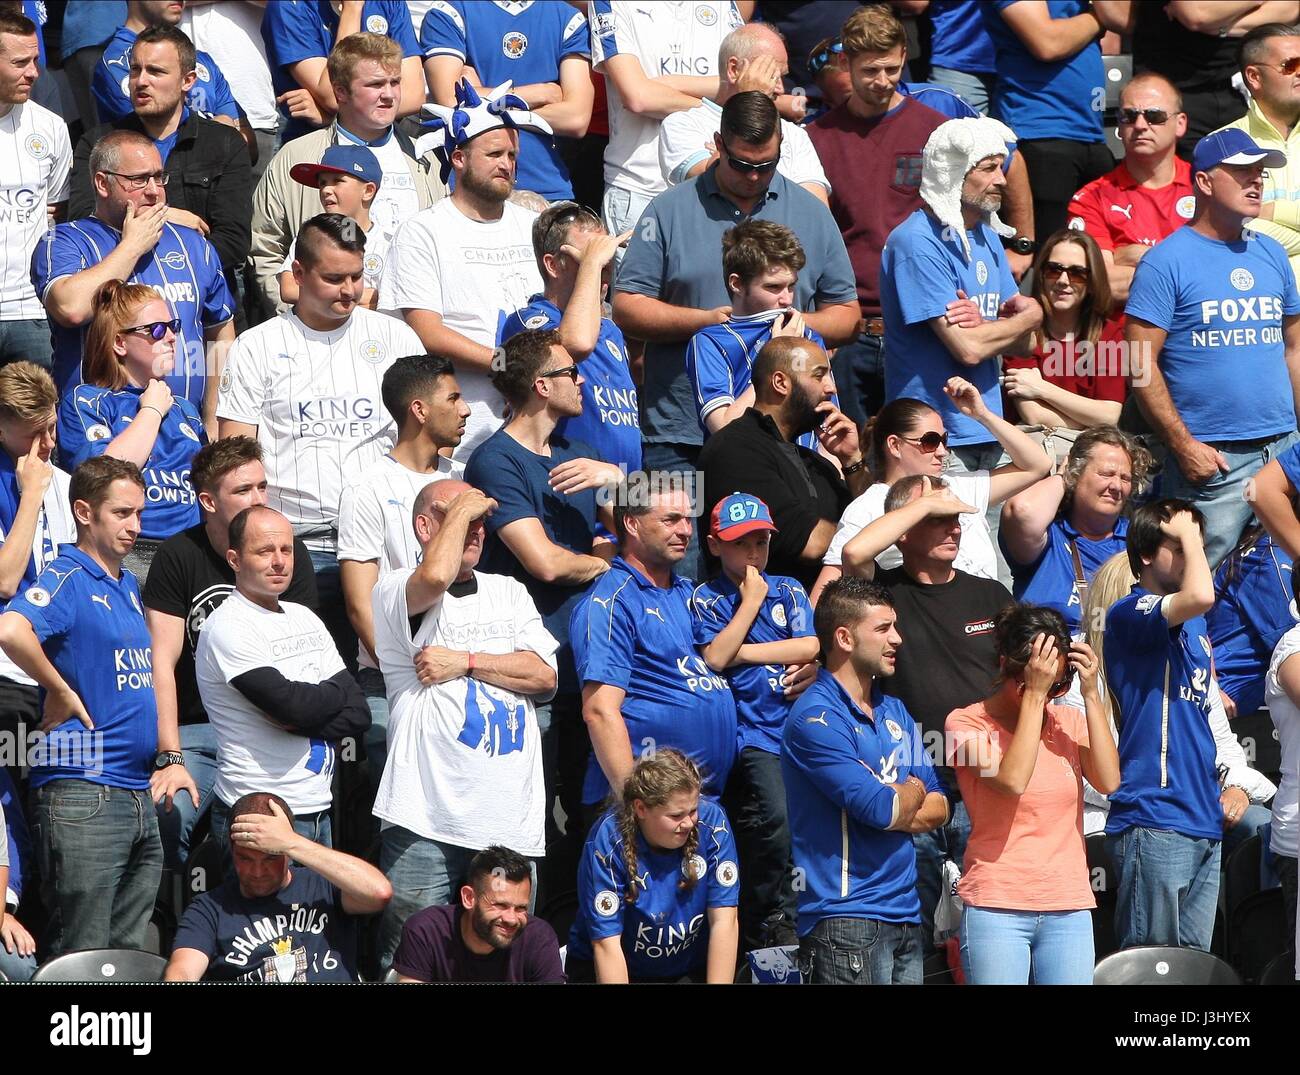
(1117, 212)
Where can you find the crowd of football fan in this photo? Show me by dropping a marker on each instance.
(646, 492)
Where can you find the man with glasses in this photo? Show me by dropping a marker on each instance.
(1213, 333)
(1270, 67)
(130, 238)
(671, 283)
(543, 530)
(1149, 195)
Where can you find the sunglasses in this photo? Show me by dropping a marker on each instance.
(1287, 67)
(1154, 116)
(822, 58)
(928, 442)
(745, 167)
(156, 330)
(563, 371)
(567, 216)
(1078, 274)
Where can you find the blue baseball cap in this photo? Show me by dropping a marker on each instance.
(1233, 146)
(739, 514)
(353, 160)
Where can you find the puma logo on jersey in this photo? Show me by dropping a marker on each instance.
(603, 602)
(819, 719)
(1127, 213)
(656, 612)
(102, 599)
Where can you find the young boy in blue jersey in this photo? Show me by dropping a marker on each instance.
(859, 784)
(749, 625)
(1166, 820)
(761, 262)
(657, 884)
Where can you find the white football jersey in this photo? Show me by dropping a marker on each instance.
(35, 161)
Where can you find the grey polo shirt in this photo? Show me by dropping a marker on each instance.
(675, 255)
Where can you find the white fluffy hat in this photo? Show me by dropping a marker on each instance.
(475, 114)
(954, 148)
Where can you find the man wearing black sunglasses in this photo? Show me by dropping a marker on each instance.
(1149, 195)
(1270, 67)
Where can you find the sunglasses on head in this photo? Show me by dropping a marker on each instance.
(928, 442)
(1154, 116)
(823, 58)
(156, 330)
(563, 371)
(567, 216)
(1078, 274)
(745, 167)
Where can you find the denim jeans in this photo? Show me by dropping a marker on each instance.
(967, 460)
(861, 951)
(16, 968)
(859, 370)
(929, 865)
(621, 210)
(199, 745)
(973, 88)
(423, 873)
(1001, 947)
(755, 801)
(1223, 498)
(100, 863)
(331, 610)
(26, 341)
(1168, 888)
(682, 459)
(316, 827)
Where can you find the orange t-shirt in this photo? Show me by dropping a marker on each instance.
(1026, 852)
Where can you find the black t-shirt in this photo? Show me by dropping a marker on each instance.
(800, 487)
(947, 659)
(299, 934)
(432, 950)
(1188, 58)
(188, 579)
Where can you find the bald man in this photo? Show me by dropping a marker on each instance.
(752, 57)
(276, 691)
(758, 454)
(465, 657)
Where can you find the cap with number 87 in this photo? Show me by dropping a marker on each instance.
(739, 514)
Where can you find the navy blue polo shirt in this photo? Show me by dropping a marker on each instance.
(1160, 677)
(675, 255)
(761, 705)
(609, 422)
(1050, 580)
(837, 763)
(92, 629)
(630, 634)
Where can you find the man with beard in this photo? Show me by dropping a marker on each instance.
(950, 249)
(487, 937)
(758, 452)
(456, 269)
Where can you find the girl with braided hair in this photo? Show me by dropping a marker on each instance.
(658, 883)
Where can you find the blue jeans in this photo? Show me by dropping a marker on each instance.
(861, 951)
(1019, 947)
(859, 370)
(1168, 888)
(331, 610)
(16, 968)
(967, 460)
(929, 864)
(199, 745)
(26, 340)
(682, 459)
(100, 862)
(316, 827)
(1223, 498)
(621, 210)
(975, 89)
(423, 873)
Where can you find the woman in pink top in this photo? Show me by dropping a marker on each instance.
(1020, 764)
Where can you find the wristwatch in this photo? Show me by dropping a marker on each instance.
(168, 758)
(1021, 244)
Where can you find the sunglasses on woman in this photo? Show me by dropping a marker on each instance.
(928, 442)
(1155, 117)
(156, 330)
(1078, 274)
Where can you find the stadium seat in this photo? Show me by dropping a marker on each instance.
(103, 965)
(1164, 966)
(1257, 931)
(1281, 971)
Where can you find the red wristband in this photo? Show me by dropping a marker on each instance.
(469, 665)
